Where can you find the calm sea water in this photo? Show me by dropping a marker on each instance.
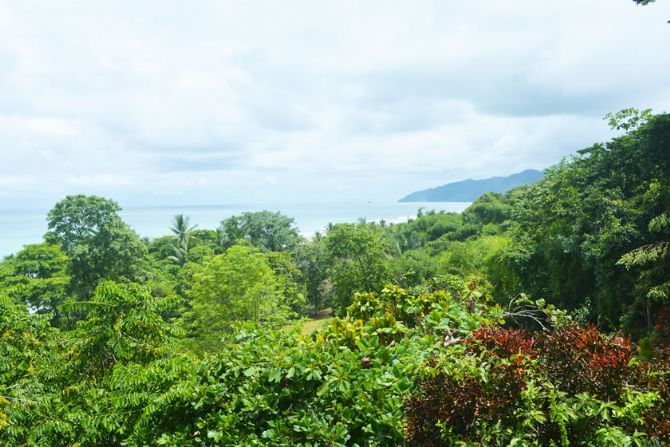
(18, 228)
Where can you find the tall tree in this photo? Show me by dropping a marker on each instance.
(573, 227)
(98, 243)
(183, 239)
(75, 219)
(181, 228)
(238, 285)
(123, 325)
(265, 230)
(115, 253)
(358, 256)
(311, 259)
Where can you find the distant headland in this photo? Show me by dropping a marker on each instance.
(469, 190)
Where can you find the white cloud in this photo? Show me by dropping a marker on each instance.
(258, 101)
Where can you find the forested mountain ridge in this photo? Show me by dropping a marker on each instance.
(536, 317)
(469, 190)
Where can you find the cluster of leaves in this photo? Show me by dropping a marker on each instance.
(571, 229)
(117, 380)
(569, 386)
(592, 235)
(402, 367)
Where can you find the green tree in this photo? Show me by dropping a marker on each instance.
(290, 281)
(123, 325)
(98, 243)
(205, 237)
(572, 228)
(264, 230)
(312, 260)
(114, 252)
(36, 276)
(27, 345)
(76, 219)
(359, 261)
(653, 262)
(238, 285)
(490, 208)
(182, 229)
(428, 227)
(183, 239)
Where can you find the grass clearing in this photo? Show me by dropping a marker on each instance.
(320, 319)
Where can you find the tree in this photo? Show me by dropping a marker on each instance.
(180, 252)
(98, 243)
(357, 254)
(414, 268)
(490, 208)
(75, 219)
(290, 281)
(115, 253)
(25, 338)
(653, 262)
(572, 228)
(238, 285)
(123, 325)
(264, 230)
(181, 228)
(312, 260)
(36, 276)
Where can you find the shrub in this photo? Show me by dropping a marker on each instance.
(570, 386)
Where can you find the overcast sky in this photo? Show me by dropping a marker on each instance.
(211, 102)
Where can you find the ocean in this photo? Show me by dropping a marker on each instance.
(21, 227)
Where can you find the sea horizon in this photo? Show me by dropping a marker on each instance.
(27, 226)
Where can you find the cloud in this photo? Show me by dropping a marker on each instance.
(211, 102)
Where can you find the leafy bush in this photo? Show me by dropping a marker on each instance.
(571, 386)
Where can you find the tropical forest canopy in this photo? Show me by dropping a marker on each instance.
(537, 317)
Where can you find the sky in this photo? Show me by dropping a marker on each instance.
(214, 102)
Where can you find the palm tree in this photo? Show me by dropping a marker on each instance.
(183, 238)
(180, 227)
(181, 252)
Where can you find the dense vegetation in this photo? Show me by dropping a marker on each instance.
(538, 317)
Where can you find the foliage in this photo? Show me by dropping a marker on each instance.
(114, 252)
(414, 268)
(427, 227)
(238, 285)
(75, 219)
(183, 239)
(570, 229)
(572, 386)
(357, 254)
(311, 259)
(290, 281)
(264, 230)
(36, 277)
(123, 325)
(98, 243)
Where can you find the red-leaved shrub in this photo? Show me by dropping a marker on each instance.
(579, 360)
(458, 404)
(574, 359)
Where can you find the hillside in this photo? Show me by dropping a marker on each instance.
(469, 190)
